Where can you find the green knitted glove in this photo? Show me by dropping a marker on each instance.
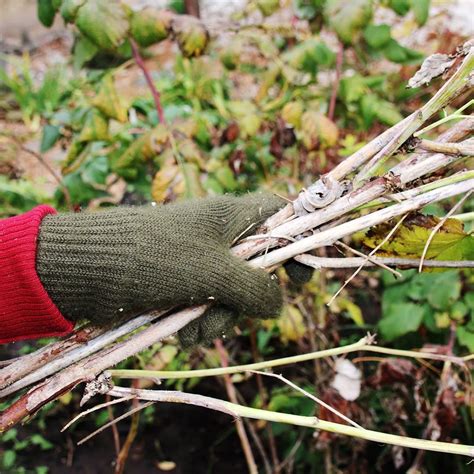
(116, 263)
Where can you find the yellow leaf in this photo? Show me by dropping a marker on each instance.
(162, 182)
(317, 130)
(291, 324)
(449, 243)
(109, 102)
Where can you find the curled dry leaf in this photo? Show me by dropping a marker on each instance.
(393, 370)
(432, 67)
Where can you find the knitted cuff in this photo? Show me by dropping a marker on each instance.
(26, 310)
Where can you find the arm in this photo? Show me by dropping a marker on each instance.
(26, 310)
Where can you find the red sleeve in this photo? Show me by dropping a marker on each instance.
(26, 310)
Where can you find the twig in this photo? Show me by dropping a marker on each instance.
(446, 148)
(328, 237)
(132, 434)
(368, 259)
(438, 226)
(154, 92)
(57, 178)
(307, 421)
(231, 393)
(95, 408)
(115, 433)
(401, 173)
(453, 87)
(309, 395)
(347, 262)
(335, 86)
(386, 239)
(116, 420)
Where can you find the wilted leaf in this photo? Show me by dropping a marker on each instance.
(449, 243)
(96, 127)
(162, 182)
(353, 311)
(109, 102)
(347, 380)
(292, 112)
(268, 7)
(347, 19)
(291, 324)
(191, 34)
(317, 130)
(399, 319)
(149, 26)
(433, 66)
(144, 148)
(104, 22)
(392, 371)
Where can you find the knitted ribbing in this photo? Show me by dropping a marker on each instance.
(115, 263)
(26, 310)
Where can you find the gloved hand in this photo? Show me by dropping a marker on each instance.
(116, 263)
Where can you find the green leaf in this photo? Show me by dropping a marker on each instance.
(400, 319)
(465, 337)
(396, 53)
(104, 22)
(69, 9)
(444, 290)
(307, 9)
(377, 36)
(421, 9)
(400, 7)
(352, 89)
(84, 51)
(347, 19)
(226, 178)
(149, 26)
(50, 136)
(8, 459)
(46, 12)
(43, 443)
(388, 113)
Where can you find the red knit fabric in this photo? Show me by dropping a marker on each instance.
(26, 310)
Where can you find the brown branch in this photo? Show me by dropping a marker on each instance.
(57, 178)
(151, 85)
(231, 393)
(335, 86)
